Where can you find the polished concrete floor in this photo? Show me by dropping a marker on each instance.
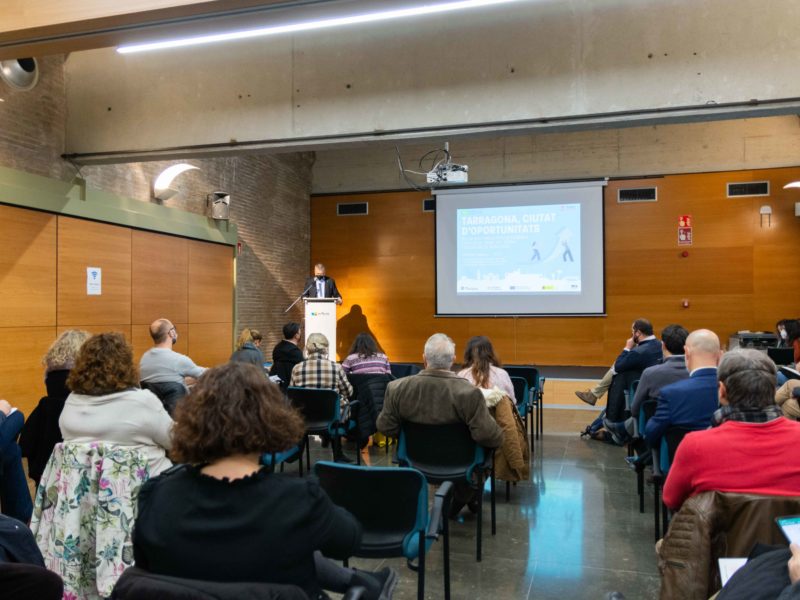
(574, 531)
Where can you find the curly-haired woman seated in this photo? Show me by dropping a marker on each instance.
(106, 404)
(227, 518)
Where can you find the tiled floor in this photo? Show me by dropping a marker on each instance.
(573, 532)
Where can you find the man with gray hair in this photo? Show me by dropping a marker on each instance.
(437, 396)
(747, 452)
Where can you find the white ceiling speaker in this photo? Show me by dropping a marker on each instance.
(220, 204)
(20, 73)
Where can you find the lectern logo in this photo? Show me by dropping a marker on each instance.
(320, 314)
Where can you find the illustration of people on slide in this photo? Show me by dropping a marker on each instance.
(567, 253)
(536, 255)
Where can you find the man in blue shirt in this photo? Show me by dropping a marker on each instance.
(689, 403)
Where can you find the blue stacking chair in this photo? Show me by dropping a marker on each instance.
(323, 414)
(536, 391)
(392, 506)
(662, 461)
(447, 452)
(273, 459)
(400, 370)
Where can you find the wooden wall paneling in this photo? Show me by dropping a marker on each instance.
(160, 283)
(142, 341)
(21, 369)
(95, 329)
(83, 244)
(738, 274)
(209, 343)
(210, 283)
(27, 267)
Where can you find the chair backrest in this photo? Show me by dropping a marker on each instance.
(400, 370)
(527, 372)
(385, 500)
(138, 584)
(646, 412)
(319, 407)
(521, 391)
(440, 452)
(370, 387)
(88, 493)
(669, 445)
(169, 392)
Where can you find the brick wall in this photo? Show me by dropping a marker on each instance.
(269, 196)
(33, 123)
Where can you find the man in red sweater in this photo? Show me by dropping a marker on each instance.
(747, 452)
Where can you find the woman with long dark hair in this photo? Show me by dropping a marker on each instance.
(482, 367)
(364, 357)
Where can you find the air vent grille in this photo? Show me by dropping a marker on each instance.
(429, 205)
(749, 188)
(348, 209)
(642, 194)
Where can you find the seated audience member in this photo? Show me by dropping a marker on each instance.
(248, 348)
(780, 331)
(788, 398)
(671, 370)
(641, 350)
(15, 498)
(223, 517)
(41, 431)
(435, 396)
(107, 406)
(317, 371)
(164, 371)
(23, 575)
(747, 452)
(364, 357)
(286, 354)
(792, 327)
(771, 575)
(482, 367)
(689, 403)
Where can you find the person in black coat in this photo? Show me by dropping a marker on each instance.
(248, 348)
(321, 286)
(287, 354)
(41, 431)
(225, 517)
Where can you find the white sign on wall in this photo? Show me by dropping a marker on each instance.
(94, 281)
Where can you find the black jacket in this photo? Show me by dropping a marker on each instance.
(369, 389)
(41, 431)
(331, 290)
(285, 356)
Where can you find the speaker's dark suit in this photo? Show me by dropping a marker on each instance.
(330, 288)
(689, 403)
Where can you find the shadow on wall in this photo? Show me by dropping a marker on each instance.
(348, 327)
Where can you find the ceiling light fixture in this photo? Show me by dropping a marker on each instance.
(161, 187)
(373, 17)
(793, 184)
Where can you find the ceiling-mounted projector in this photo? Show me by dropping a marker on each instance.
(448, 173)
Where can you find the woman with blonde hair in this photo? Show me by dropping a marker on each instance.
(248, 348)
(41, 431)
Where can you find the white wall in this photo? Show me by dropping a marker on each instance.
(537, 59)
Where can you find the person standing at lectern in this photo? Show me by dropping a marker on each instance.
(321, 286)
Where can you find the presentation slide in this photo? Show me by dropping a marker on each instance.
(520, 250)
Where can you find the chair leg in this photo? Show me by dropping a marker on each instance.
(493, 501)
(479, 521)
(421, 573)
(508, 491)
(664, 519)
(446, 552)
(657, 507)
(358, 452)
(640, 486)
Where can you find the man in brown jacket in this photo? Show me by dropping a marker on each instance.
(437, 396)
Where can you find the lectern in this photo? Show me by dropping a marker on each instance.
(321, 318)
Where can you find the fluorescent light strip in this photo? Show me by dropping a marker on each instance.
(427, 9)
